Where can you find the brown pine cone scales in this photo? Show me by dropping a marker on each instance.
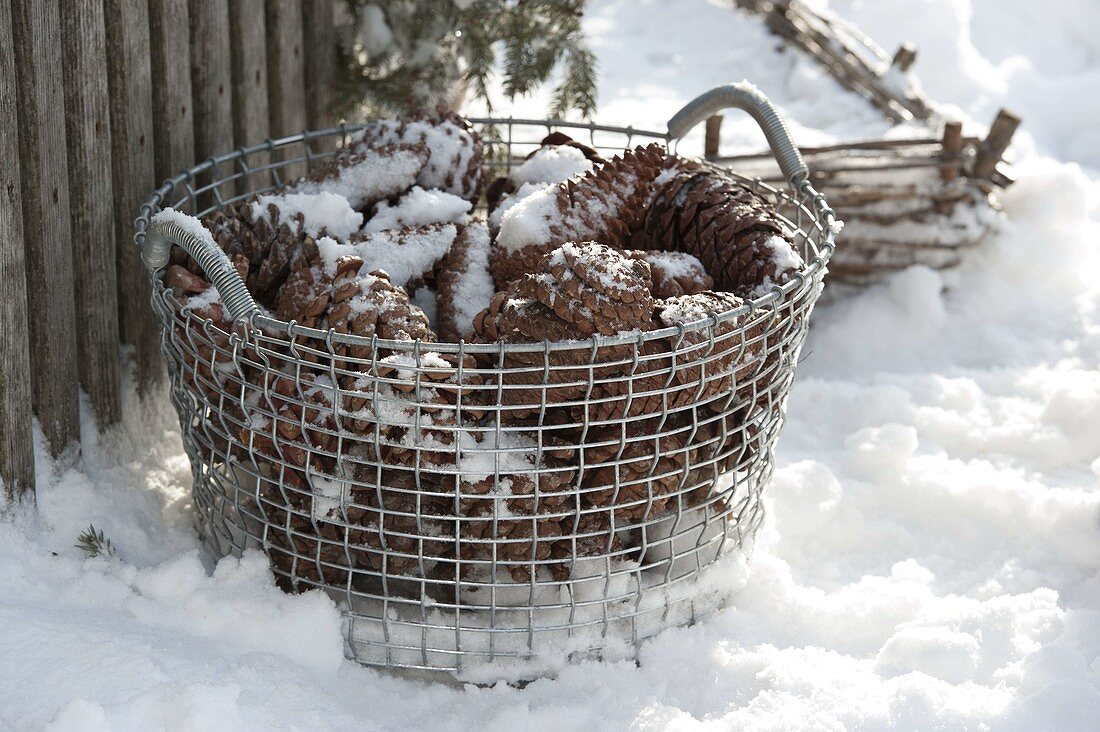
(558, 158)
(606, 205)
(675, 273)
(463, 283)
(736, 234)
(369, 175)
(633, 469)
(455, 151)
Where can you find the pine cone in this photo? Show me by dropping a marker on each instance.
(709, 361)
(606, 205)
(463, 283)
(369, 175)
(633, 468)
(675, 273)
(455, 151)
(503, 187)
(736, 234)
(272, 246)
(582, 289)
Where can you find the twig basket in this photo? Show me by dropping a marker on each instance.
(437, 557)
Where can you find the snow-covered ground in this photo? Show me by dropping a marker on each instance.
(932, 550)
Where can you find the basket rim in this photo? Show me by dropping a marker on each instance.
(805, 197)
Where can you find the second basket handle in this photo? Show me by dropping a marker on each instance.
(170, 227)
(747, 97)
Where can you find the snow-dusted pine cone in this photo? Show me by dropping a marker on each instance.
(558, 158)
(675, 273)
(272, 243)
(606, 205)
(368, 175)
(634, 469)
(456, 152)
(463, 283)
(580, 290)
(736, 234)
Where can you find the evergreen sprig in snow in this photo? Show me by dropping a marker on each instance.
(94, 543)
(411, 55)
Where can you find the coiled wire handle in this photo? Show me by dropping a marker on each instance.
(163, 233)
(747, 97)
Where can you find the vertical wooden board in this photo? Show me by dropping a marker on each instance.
(285, 77)
(130, 83)
(46, 229)
(319, 42)
(16, 445)
(211, 87)
(173, 125)
(88, 127)
(248, 47)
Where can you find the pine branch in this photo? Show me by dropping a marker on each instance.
(95, 544)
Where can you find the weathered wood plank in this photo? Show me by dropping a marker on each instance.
(319, 42)
(713, 138)
(996, 142)
(285, 76)
(88, 127)
(130, 83)
(16, 445)
(46, 229)
(248, 46)
(173, 124)
(211, 86)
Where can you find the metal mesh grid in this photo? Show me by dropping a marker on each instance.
(483, 502)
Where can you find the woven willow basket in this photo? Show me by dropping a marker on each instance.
(436, 589)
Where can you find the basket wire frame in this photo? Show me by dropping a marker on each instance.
(429, 573)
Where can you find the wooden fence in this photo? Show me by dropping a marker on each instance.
(100, 100)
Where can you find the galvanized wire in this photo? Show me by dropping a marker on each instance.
(543, 499)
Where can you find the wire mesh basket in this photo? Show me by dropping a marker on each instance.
(477, 506)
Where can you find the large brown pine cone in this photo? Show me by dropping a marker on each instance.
(463, 283)
(368, 175)
(675, 273)
(555, 172)
(634, 468)
(272, 246)
(456, 152)
(736, 234)
(606, 205)
(581, 290)
(205, 352)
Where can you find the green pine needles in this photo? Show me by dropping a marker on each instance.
(411, 55)
(94, 543)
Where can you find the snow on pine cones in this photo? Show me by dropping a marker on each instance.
(374, 453)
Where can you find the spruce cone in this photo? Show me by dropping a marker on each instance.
(606, 205)
(368, 176)
(455, 151)
(547, 164)
(633, 468)
(463, 283)
(675, 273)
(272, 246)
(582, 289)
(736, 234)
(709, 360)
